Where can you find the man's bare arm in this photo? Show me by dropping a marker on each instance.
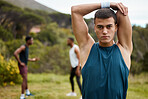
(33, 59)
(79, 26)
(17, 52)
(78, 55)
(124, 32)
(77, 51)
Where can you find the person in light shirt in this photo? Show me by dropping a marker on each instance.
(74, 55)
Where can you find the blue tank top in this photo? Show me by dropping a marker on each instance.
(105, 74)
(24, 55)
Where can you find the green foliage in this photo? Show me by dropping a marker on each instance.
(18, 20)
(136, 67)
(31, 18)
(49, 34)
(5, 35)
(9, 72)
(12, 46)
(3, 3)
(63, 20)
(11, 10)
(139, 56)
(3, 49)
(58, 61)
(40, 13)
(145, 62)
(53, 59)
(140, 38)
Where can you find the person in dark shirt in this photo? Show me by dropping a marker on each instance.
(105, 64)
(23, 59)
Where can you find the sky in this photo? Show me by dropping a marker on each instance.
(138, 9)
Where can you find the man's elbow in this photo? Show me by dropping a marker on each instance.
(118, 14)
(15, 54)
(74, 9)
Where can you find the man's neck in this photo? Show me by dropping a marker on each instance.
(106, 44)
(27, 45)
(72, 45)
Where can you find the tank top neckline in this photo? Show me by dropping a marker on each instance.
(107, 46)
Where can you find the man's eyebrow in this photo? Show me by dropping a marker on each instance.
(99, 25)
(106, 25)
(109, 25)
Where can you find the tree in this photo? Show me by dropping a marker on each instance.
(5, 35)
(16, 19)
(48, 35)
(30, 20)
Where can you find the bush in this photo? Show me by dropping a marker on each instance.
(13, 45)
(53, 59)
(145, 62)
(5, 35)
(9, 72)
(3, 48)
(136, 67)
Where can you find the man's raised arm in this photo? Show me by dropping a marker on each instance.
(124, 32)
(79, 26)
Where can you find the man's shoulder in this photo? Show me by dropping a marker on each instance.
(22, 48)
(76, 46)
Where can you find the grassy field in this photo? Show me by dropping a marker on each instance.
(51, 86)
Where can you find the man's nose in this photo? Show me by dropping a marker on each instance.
(104, 30)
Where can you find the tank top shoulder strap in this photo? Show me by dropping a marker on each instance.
(26, 47)
(91, 53)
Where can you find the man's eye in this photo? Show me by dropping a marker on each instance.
(108, 26)
(100, 27)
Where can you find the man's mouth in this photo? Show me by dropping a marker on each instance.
(105, 37)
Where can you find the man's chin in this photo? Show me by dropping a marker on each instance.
(105, 42)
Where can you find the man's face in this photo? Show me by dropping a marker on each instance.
(105, 29)
(69, 42)
(30, 42)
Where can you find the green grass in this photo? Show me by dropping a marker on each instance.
(51, 86)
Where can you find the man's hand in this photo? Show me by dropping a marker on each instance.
(78, 71)
(22, 64)
(119, 6)
(33, 59)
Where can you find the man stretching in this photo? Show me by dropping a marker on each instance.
(105, 64)
(23, 52)
(74, 55)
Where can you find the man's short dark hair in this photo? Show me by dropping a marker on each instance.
(105, 13)
(71, 38)
(28, 38)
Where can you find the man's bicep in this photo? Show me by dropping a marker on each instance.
(20, 49)
(77, 51)
(124, 32)
(80, 29)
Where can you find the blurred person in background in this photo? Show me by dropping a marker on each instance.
(74, 54)
(21, 54)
